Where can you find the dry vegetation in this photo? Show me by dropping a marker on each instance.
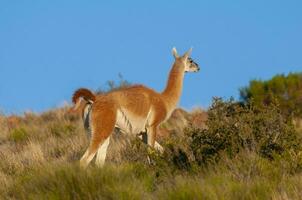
(241, 152)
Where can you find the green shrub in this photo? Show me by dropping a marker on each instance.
(233, 127)
(287, 90)
(18, 135)
(62, 129)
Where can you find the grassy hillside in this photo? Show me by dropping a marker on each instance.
(231, 152)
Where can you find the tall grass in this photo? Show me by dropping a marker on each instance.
(39, 157)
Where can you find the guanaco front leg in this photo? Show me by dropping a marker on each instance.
(151, 135)
(144, 137)
(158, 147)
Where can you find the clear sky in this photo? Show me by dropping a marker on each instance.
(50, 48)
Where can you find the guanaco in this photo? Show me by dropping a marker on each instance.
(132, 110)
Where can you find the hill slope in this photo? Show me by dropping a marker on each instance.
(39, 158)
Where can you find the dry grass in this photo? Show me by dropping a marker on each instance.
(39, 160)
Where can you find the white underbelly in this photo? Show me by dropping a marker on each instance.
(130, 123)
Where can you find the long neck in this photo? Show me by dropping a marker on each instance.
(172, 92)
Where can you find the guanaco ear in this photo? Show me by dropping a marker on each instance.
(174, 52)
(188, 53)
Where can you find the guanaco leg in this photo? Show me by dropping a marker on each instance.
(102, 125)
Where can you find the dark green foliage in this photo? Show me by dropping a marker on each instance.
(287, 90)
(178, 154)
(234, 127)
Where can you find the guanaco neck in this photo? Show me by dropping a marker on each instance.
(172, 92)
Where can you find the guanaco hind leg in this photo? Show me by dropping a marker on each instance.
(102, 152)
(102, 125)
(90, 153)
(86, 158)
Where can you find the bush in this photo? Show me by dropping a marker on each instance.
(18, 135)
(287, 90)
(233, 127)
(62, 129)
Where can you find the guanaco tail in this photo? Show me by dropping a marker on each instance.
(132, 110)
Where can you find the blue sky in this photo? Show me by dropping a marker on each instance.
(50, 48)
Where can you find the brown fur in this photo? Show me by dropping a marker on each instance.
(137, 104)
(84, 93)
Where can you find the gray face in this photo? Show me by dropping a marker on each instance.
(191, 66)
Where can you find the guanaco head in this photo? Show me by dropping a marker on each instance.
(186, 61)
